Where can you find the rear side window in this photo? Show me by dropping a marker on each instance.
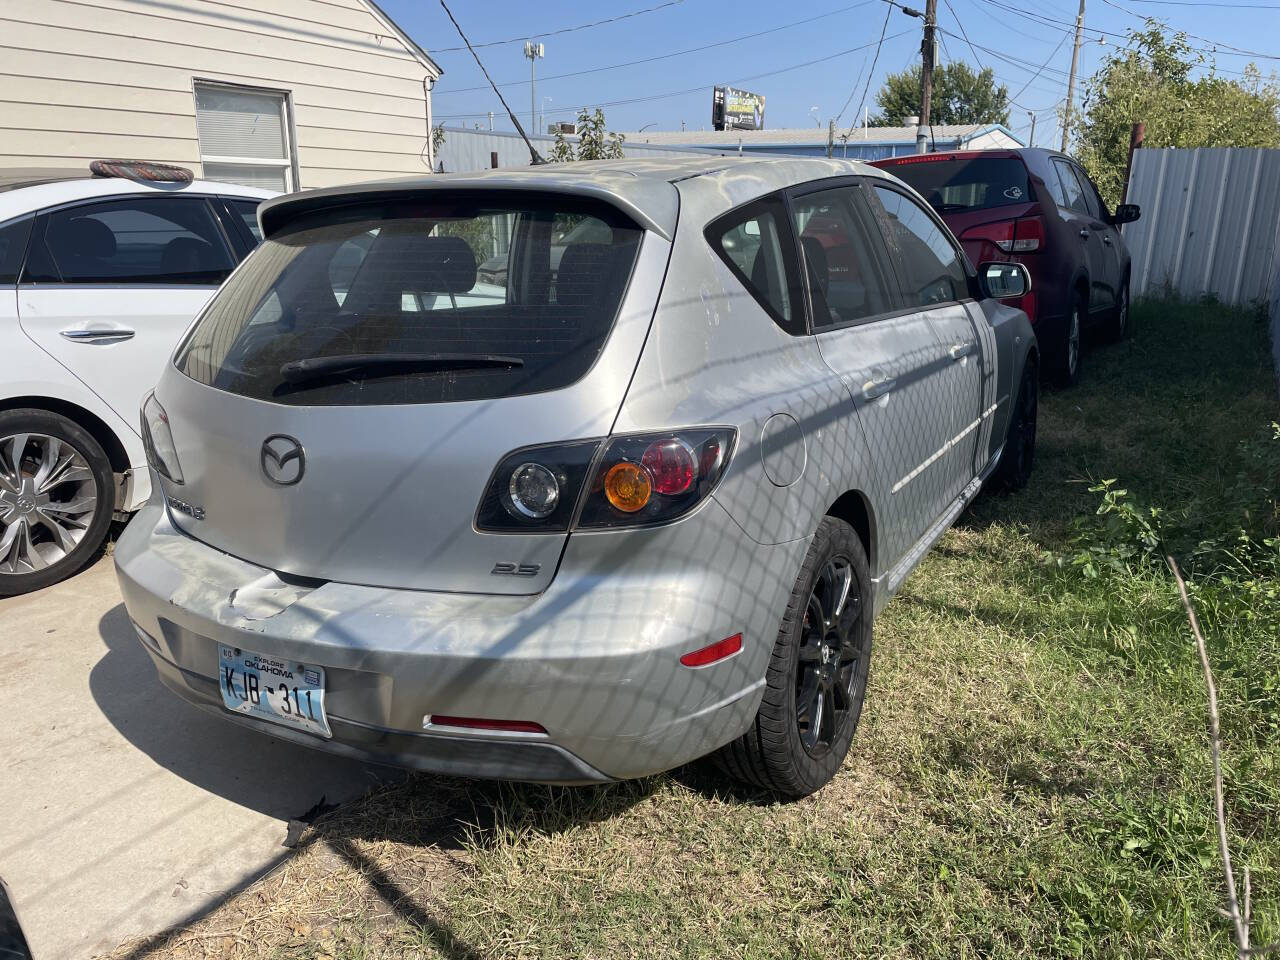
(247, 211)
(420, 301)
(953, 184)
(13, 244)
(845, 277)
(1071, 191)
(169, 240)
(929, 265)
(757, 246)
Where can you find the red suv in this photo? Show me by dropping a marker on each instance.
(1037, 207)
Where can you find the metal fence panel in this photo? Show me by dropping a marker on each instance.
(1209, 223)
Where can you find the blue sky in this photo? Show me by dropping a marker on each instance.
(796, 65)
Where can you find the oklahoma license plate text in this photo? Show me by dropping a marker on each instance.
(278, 691)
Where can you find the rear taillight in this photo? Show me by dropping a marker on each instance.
(157, 440)
(1012, 236)
(636, 480)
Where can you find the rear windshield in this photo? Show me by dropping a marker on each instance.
(419, 301)
(967, 183)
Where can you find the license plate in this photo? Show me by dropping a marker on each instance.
(268, 688)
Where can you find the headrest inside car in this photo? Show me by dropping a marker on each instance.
(428, 264)
(84, 237)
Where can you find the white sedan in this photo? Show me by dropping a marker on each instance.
(99, 277)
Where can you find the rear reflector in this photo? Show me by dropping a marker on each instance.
(717, 651)
(477, 723)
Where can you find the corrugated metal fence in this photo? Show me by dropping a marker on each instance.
(1209, 226)
(464, 151)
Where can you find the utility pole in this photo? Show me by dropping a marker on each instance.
(928, 56)
(831, 137)
(533, 51)
(1071, 79)
(1032, 139)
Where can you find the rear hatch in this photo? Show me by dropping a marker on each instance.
(972, 192)
(338, 411)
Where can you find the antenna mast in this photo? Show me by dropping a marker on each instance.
(534, 156)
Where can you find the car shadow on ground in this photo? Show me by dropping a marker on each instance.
(250, 769)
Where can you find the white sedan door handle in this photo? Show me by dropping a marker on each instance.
(81, 335)
(959, 351)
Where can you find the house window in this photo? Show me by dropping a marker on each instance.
(244, 136)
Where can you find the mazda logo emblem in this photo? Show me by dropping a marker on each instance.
(283, 460)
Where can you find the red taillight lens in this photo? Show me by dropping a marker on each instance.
(1011, 236)
(670, 462)
(478, 723)
(679, 469)
(1028, 235)
(715, 652)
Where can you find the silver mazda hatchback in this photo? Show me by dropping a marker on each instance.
(634, 499)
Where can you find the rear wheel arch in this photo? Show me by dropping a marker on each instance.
(94, 425)
(854, 508)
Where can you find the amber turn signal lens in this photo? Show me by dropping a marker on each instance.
(628, 486)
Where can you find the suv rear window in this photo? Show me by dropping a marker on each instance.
(419, 301)
(967, 183)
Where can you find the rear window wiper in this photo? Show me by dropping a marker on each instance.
(384, 364)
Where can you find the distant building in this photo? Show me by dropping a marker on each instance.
(308, 93)
(864, 143)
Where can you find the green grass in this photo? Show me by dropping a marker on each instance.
(1031, 777)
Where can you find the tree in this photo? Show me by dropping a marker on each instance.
(959, 96)
(595, 142)
(1150, 80)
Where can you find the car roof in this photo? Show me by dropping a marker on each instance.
(645, 188)
(25, 191)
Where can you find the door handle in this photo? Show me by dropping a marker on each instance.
(1106, 240)
(1084, 234)
(877, 387)
(959, 351)
(80, 335)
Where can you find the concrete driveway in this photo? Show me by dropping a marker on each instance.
(123, 810)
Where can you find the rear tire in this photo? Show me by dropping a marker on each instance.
(1067, 355)
(817, 676)
(1018, 455)
(1118, 328)
(56, 499)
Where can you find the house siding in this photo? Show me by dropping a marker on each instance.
(90, 79)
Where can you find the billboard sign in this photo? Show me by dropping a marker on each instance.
(733, 109)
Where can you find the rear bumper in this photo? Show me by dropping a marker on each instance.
(594, 659)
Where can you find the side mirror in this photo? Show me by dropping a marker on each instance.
(1126, 213)
(1004, 281)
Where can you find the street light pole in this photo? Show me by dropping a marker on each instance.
(533, 51)
(1032, 138)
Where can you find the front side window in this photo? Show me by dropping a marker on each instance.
(168, 240)
(419, 302)
(929, 264)
(753, 242)
(846, 282)
(244, 136)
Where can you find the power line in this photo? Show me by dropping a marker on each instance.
(874, 60)
(1219, 47)
(700, 87)
(1014, 98)
(667, 56)
(554, 33)
(1214, 3)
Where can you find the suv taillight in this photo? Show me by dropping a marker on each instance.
(1012, 236)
